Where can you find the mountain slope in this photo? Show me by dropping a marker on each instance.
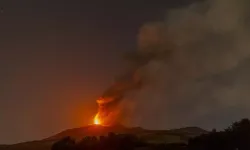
(95, 130)
(155, 136)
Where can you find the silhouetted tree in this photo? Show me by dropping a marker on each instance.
(239, 133)
(236, 136)
(66, 143)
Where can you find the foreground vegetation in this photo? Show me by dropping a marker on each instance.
(235, 137)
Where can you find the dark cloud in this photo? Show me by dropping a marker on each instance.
(202, 75)
(185, 67)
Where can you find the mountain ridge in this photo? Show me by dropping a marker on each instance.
(154, 136)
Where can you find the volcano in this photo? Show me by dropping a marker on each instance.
(96, 130)
(153, 136)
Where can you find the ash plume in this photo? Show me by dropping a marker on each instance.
(188, 68)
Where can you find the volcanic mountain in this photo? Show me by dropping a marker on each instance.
(96, 130)
(154, 136)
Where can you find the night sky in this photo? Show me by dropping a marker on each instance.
(58, 56)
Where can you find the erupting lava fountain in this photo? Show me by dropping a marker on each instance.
(97, 120)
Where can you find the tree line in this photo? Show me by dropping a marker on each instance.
(235, 137)
(111, 142)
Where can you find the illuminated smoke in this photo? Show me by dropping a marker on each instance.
(184, 69)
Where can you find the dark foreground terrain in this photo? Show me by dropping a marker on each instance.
(234, 137)
(151, 136)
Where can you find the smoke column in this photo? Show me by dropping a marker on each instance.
(189, 69)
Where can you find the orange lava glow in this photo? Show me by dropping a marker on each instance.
(97, 120)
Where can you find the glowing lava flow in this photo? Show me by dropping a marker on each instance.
(97, 120)
(104, 116)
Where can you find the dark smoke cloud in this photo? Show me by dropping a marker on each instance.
(206, 43)
(190, 68)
